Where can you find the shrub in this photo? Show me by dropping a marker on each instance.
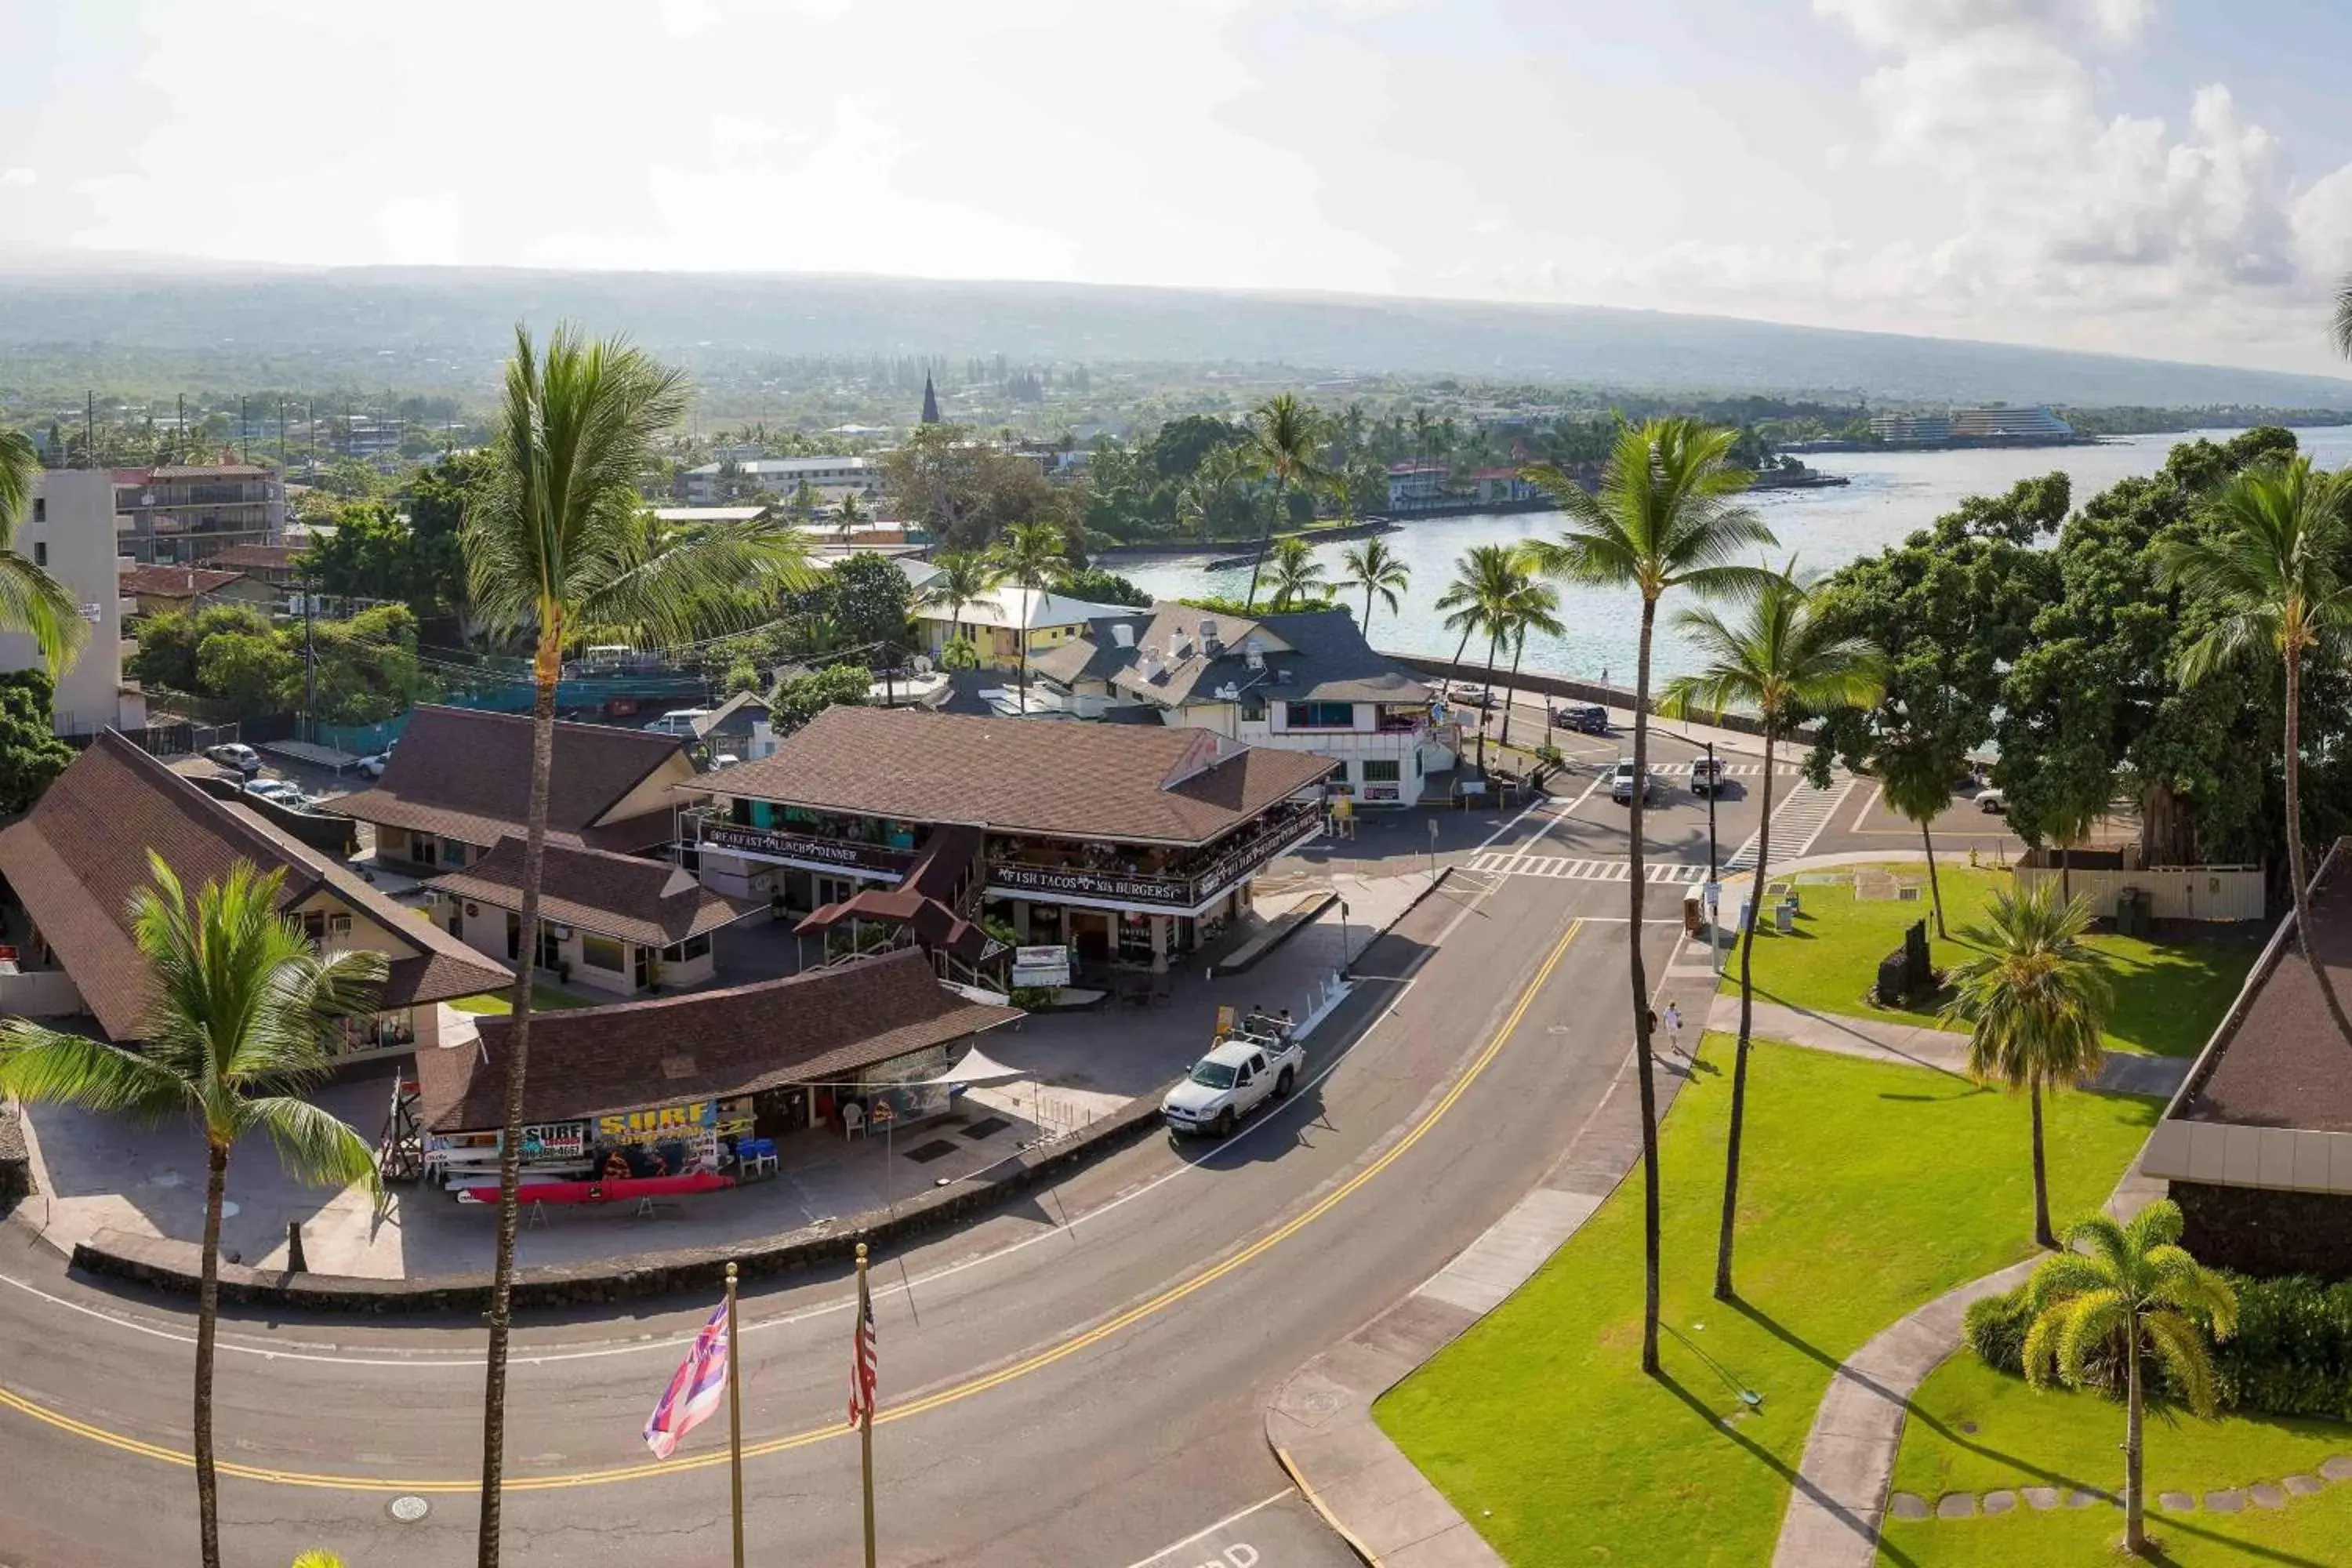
(1995, 1328)
(1030, 998)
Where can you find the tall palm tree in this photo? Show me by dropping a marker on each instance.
(851, 513)
(1216, 479)
(1485, 579)
(245, 1017)
(1534, 608)
(1779, 661)
(1298, 575)
(30, 599)
(2341, 327)
(1665, 518)
(964, 578)
(2035, 999)
(562, 544)
(1282, 446)
(1375, 568)
(2128, 1292)
(1029, 556)
(2266, 565)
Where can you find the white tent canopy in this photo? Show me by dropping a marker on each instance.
(977, 1067)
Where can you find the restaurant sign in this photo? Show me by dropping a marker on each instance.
(1163, 893)
(652, 1126)
(555, 1140)
(798, 847)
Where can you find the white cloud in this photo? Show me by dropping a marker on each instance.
(19, 176)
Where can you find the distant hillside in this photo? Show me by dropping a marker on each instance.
(448, 328)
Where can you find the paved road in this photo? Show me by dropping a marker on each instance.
(1076, 1381)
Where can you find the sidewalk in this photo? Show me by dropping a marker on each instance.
(1920, 1045)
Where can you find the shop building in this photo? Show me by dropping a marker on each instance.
(671, 1088)
(607, 922)
(1125, 843)
(1302, 682)
(74, 862)
(459, 780)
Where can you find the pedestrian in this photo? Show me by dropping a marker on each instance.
(1604, 674)
(1653, 1023)
(1674, 1028)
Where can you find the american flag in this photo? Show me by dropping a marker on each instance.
(864, 1363)
(694, 1392)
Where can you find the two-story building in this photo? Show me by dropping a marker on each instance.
(1305, 682)
(1414, 485)
(1129, 842)
(1003, 618)
(75, 860)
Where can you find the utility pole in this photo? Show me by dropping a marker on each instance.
(180, 430)
(89, 430)
(1714, 888)
(310, 663)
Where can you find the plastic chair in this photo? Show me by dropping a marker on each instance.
(852, 1121)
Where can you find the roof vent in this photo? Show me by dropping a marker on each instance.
(1254, 652)
(1282, 676)
(1122, 634)
(1229, 692)
(1150, 665)
(1209, 644)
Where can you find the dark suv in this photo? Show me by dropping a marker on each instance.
(1587, 718)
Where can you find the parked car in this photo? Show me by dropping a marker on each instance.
(1468, 694)
(1585, 718)
(373, 767)
(230, 754)
(1621, 784)
(1991, 800)
(1240, 1073)
(1706, 774)
(280, 792)
(678, 721)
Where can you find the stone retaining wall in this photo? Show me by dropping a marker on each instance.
(173, 1266)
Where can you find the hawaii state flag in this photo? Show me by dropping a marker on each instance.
(694, 1392)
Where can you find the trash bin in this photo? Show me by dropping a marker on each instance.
(2134, 912)
(1694, 914)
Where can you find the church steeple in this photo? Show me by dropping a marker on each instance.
(930, 401)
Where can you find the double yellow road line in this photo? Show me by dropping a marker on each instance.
(1059, 1351)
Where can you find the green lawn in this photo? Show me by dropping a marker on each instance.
(2022, 1439)
(1868, 1189)
(2169, 996)
(542, 997)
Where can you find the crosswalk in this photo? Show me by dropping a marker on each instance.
(1796, 822)
(1678, 771)
(1559, 868)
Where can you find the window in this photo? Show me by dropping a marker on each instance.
(1383, 770)
(602, 952)
(692, 948)
(453, 853)
(40, 551)
(321, 927)
(40, 509)
(1321, 715)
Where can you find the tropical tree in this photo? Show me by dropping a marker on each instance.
(31, 601)
(2127, 1293)
(1029, 555)
(851, 514)
(561, 545)
(1485, 579)
(1666, 517)
(1282, 446)
(2267, 567)
(1781, 661)
(1298, 575)
(964, 578)
(2340, 329)
(1374, 567)
(245, 1017)
(1533, 606)
(2034, 999)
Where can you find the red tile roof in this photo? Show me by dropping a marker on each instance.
(593, 1061)
(1135, 783)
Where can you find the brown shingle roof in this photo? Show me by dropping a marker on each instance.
(175, 582)
(2284, 1065)
(595, 1061)
(651, 902)
(257, 557)
(80, 855)
(466, 775)
(1131, 782)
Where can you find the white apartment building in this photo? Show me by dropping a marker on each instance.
(74, 533)
(830, 477)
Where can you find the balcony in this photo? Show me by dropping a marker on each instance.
(801, 849)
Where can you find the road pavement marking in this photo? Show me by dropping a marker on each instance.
(1497, 862)
(956, 1394)
(1805, 811)
(1234, 1518)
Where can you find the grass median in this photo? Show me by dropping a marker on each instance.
(1975, 1430)
(2168, 993)
(1868, 1189)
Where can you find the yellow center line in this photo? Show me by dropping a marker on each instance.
(962, 1391)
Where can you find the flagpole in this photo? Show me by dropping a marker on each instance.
(866, 1415)
(735, 1414)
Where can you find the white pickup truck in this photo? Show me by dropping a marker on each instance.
(1240, 1073)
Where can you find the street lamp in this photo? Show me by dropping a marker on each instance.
(1343, 938)
(1714, 888)
(1433, 851)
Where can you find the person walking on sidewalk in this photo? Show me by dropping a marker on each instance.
(1674, 1028)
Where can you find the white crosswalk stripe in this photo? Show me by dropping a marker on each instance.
(1559, 868)
(1797, 821)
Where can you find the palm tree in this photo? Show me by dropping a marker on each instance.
(1533, 606)
(851, 513)
(2033, 998)
(2341, 328)
(2128, 1292)
(964, 578)
(2267, 567)
(1030, 555)
(1215, 479)
(1298, 575)
(1663, 518)
(1374, 567)
(1781, 661)
(31, 600)
(1279, 446)
(1485, 579)
(561, 544)
(245, 1017)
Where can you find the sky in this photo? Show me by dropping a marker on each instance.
(2170, 178)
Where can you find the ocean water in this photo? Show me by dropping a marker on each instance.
(1892, 495)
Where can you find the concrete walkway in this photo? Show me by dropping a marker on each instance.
(1920, 1045)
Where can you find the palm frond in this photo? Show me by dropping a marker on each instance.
(2181, 1349)
(316, 1147)
(43, 1065)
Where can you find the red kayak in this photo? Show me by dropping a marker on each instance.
(604, 1192)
